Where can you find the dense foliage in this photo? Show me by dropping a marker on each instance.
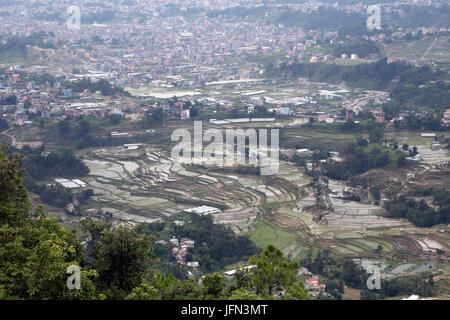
(362, 157)
(421, 285)
(337, 271)
(35, 252)
(19, 44)
(3, 124)
(420, 213)
(216, 245)
(435, 95)
(101, 85)
(42, 165)
(45, 166)
(82, 134)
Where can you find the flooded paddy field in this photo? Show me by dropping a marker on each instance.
(146, 186)
(284, 209)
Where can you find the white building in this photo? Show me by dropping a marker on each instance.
(428, 135)
(203, 210)
(185, 114)
(71, 184)
(302, 152)
(193, 264)
(285, 111)
(231, 273)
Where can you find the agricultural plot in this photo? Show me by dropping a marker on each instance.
(146, 185)
(430, 245)
(438, 179)
(301, 137)
(432, 48)
(355, 215)
(264, 234)
(433, 156)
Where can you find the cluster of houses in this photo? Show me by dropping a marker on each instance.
(312, 284)
(45, 99)
(180, 249)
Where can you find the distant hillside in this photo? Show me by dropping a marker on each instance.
(372, 76)
(19, 49)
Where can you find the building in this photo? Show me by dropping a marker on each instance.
(314, 281)
(380, 119)
(193, 264)
(446, 117)
(185, 114)
(70, 184)
(428, 135)
(285, 111)
(119, 134)
(174, 242)
(231, 273)
(133, 146)
(303, 152)
(68, 93)
(416, 158)
(435, 146)
(203, 210)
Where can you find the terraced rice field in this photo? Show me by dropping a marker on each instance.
(146, 185)
(314, 139)
(355, 215)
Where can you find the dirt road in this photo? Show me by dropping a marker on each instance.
(13, 139)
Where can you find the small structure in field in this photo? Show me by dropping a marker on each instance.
(70, 184)
(203, 210)
(427, 135)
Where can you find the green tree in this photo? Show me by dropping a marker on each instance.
(158, 116)
(14, 204)
(242, 294)
(235, 113)
(213, 284)
(362, 141)
(63, 128)
(378, 250)
(375, 134)
(122, 256)
(115, 119)
(3, 124)
(243, 278)
(273, 271)
(144, 292)
(34, 251)
(297, 292)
